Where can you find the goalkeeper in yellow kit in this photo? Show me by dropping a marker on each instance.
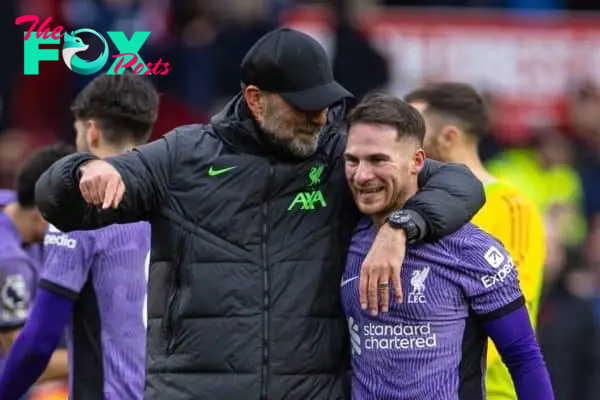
(456, 119)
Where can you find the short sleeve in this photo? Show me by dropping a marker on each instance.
(490, 279)
(17, 281)
(67, 259)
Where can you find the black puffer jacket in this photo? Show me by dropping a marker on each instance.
(248, 253)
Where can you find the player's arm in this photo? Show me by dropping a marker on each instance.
(492, 287)
(65, 272)
(17, 286)
(512, 333)
(145, 172)
(33, 349)
(449, 196)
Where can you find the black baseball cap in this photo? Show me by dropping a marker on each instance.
(295, 66)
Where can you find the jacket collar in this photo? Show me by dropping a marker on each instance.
(238, 129)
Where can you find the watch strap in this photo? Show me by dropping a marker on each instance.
(411, 223)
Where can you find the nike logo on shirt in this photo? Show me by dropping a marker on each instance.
(214, 172)
(347, 281)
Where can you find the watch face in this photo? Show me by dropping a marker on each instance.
(400, 218)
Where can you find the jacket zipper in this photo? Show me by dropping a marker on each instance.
(266, 297)
(174, 294)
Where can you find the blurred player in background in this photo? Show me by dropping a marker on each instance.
(21, 229)
(35, 249)
(457, 119)
(94, 281)
(433, 345)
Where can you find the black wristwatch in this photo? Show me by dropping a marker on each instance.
(404, 220)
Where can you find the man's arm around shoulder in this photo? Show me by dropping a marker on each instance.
(449, 196)
(144, 172)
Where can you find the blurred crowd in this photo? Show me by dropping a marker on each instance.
(558, 165)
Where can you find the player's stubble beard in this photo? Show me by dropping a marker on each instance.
(395, 203)
(299, 140)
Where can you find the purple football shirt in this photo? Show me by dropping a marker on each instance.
(17, 276)
(33, 250)
(431, 346)
(105, 272)
(7, 196)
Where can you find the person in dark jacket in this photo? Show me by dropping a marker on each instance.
(251, 220)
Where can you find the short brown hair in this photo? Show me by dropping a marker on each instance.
(383, 109)
(455, 100)
(125, 106)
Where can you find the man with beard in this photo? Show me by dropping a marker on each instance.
(251, 219)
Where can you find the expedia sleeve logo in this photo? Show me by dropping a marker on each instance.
(502, 268)
(54, 237)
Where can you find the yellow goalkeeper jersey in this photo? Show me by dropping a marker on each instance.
(516, 221)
